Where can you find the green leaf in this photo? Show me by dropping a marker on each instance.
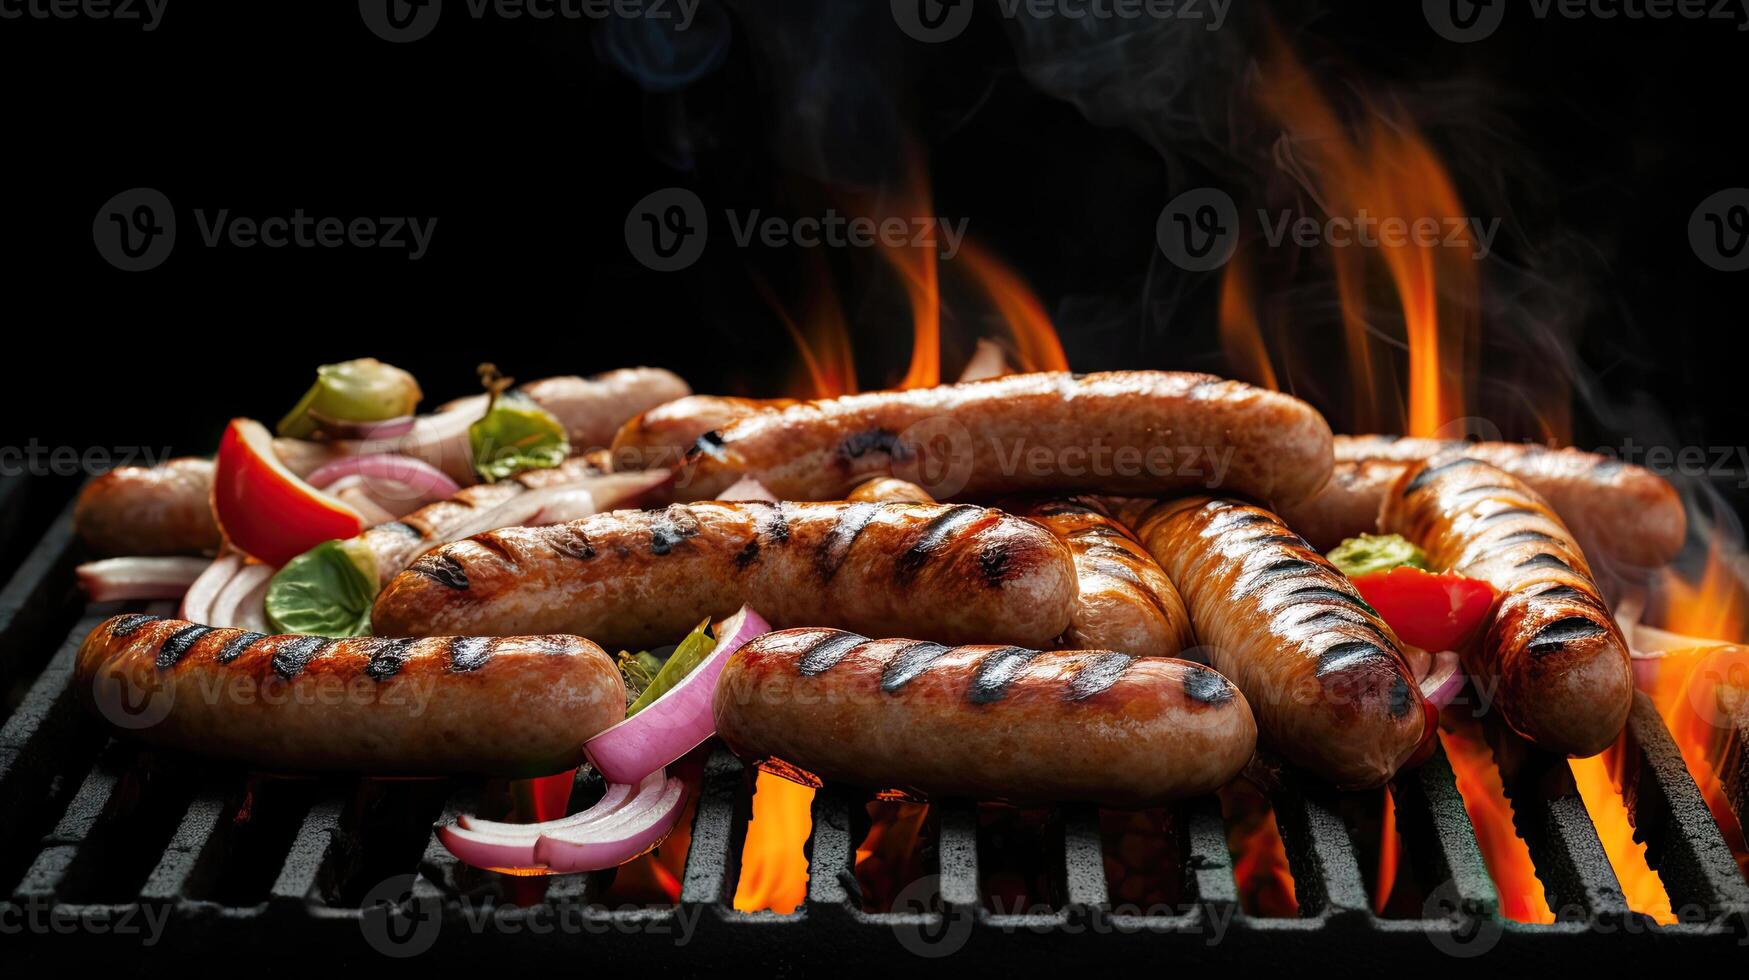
(687, 656)
(516, 435)
(326, 591)
(362, 390)
(1376, 553)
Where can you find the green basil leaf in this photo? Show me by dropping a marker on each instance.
(516, 435)
(326, 591)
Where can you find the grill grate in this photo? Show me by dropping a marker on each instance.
(109, 833)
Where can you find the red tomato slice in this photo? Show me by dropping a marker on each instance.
(1433, 611)
(263, 508)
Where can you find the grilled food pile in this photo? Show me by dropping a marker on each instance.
(1034, 588)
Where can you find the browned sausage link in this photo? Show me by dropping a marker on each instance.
(1123, 600)
(518, 706)
(983, 722)
(1621, 512)
(1322, 671)
(891, 489)
(1348, 505)
(661, 436)
(396, 543)
(1561, 669)
(157, 510)
(632, 578)
(593, 408)
(1138, 432)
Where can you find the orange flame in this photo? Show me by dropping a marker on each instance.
(1478, 782)
(1241, 335)
(1599, 780)
(888, 859)
(774, 868)
(1379, 172)
(822, 340)
(1036, 347)
(1260, 869)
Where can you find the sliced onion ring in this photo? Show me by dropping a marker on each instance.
(1443, 680)
(675, 723)
(637, 827)
(139, 577)
(242, 603)
(563, 502)
(511, 846)
(416, 474)
(197, 605)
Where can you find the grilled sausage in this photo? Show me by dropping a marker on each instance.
(156, 510)
(635, 578)
(983, 722)
(1139, 432)
(1324, 674)
(1348, 506)
(519, 706)
(1624, 513)
(891, 489)
(661, 436)
(396, 543)
(1123, 600)
(165, 510)
(1558, 662)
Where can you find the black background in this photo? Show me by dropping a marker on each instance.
(529, 150)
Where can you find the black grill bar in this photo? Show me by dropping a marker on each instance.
(80, 802)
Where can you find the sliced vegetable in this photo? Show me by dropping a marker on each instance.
(564, 502)
(1438, 674)
(677, 721)
(326, 591)
(747, 488)
(686, 657)
(137, 577)
(495, 845)
(634, 829)
(263, 508)
(197, 605)
(515, 435)
(637, 670)
(1434, 611)
(426, 482)
(353, 400)
(239, 604)
(1376, 553)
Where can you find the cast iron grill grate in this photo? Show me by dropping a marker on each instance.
(105, 833)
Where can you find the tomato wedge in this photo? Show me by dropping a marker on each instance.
(263, 508)
(1431, 610)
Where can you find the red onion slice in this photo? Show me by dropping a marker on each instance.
(497, 846)
(416, 475)
(1443, 680)
(747, 488)
(242, 603)
(139, 577)
(675, 723)
(638, 827)
(197, 605)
